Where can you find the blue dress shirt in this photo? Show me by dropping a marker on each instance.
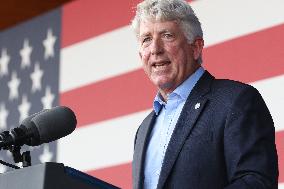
(167, 116)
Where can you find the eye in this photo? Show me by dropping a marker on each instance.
(146, 39)
(168, 36)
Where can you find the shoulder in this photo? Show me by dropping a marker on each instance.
(226, 86)
(237, 97)
(231, 91)
(225, 95)
(228, 89)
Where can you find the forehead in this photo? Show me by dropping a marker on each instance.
(150, 27)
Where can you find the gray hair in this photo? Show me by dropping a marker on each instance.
(169, 10)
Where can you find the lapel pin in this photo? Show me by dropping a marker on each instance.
(197, 105)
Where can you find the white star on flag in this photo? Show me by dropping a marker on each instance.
(24, 108)
(13, 85)
(3, 116)
(47, 155)
(48, 44)
(47, 99)
(4, 61)
(25, 53)
(36, 78)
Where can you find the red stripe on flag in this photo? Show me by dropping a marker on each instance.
(280, 150)
(117, 175)
(249, 58)
(83, 19)
(121, 175)
(128, 93)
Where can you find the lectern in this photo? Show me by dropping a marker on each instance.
(50, 176)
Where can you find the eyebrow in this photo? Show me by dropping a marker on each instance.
(160, 32)
(165, 31)
(144, 35)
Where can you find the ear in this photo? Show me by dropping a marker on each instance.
(197, 47)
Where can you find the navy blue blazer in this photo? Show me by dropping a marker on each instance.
(226, 142)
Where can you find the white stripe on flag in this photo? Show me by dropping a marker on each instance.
(99, 58)
(101, 145)
(227, 19)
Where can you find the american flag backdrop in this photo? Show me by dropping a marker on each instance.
(85, 56)
(29, 77)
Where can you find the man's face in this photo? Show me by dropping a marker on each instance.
(167, 57)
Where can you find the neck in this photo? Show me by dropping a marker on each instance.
(166, 90)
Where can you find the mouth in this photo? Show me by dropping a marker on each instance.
(161, 64)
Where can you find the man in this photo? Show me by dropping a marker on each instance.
(204, 133)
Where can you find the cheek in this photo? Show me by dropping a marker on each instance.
(172, 51)
(144, 55)
(178, 56)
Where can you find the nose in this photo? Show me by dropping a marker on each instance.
(157, 47)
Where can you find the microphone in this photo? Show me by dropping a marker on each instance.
(42, 127)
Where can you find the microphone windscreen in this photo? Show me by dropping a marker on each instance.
(29, 127)
(27, 121)
(54, 123)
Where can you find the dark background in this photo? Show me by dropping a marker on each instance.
(13, 12)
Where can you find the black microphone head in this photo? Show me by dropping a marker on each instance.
(54, 123)
(29, 127)
(27, 121)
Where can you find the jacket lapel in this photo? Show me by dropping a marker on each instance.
(141, 142)
(191, 111)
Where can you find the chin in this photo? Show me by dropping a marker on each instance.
(165, 85)
(162, 82)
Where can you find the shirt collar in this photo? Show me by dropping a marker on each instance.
(181, 91)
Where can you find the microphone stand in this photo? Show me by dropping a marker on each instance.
(25, 157)
(15, 149)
